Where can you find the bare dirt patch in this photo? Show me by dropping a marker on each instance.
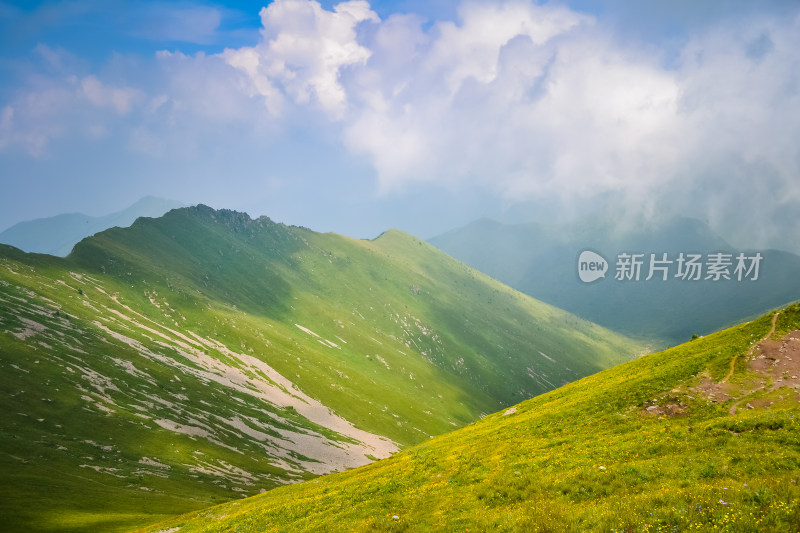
(779, 361)
(713, 391)
(771, 365)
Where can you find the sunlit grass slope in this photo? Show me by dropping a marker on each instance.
(204, 356)
(644, 446)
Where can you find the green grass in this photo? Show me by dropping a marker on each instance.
(585, 457)
(104, 353)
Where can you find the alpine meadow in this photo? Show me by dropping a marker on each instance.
(204, 356)
(700, 437)
(421, 266)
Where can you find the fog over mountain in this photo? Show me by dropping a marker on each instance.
(646, 288)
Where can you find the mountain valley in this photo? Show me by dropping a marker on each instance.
(655, 444)
(204, 356)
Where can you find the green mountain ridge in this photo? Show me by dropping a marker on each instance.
(202, 356)
(701, 437)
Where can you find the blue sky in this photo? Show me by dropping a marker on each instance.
(359, 116)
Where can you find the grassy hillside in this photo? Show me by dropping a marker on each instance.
(541, 261)
(701, 437)
(203, 356)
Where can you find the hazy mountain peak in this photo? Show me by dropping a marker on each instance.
(57, 235)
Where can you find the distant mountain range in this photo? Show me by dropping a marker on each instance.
(58, 234)
(203, 356)
(542, 261)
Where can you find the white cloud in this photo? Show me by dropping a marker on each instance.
(256, 83)
(201, 88)
(528, 101)
(511, 96)
(538, 102)
(472, 49)
(303, 50)
(64, 107)
(120, 99)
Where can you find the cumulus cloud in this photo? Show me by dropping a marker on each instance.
(524, 97)
(526, 101)
(539, 102)
(303, 51)
(472, 48)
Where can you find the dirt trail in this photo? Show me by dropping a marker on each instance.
(732, 410)
(753, 347)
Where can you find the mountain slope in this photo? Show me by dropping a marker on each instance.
(703, 436)
(57, 235)
(541, 261)
(204, 355)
